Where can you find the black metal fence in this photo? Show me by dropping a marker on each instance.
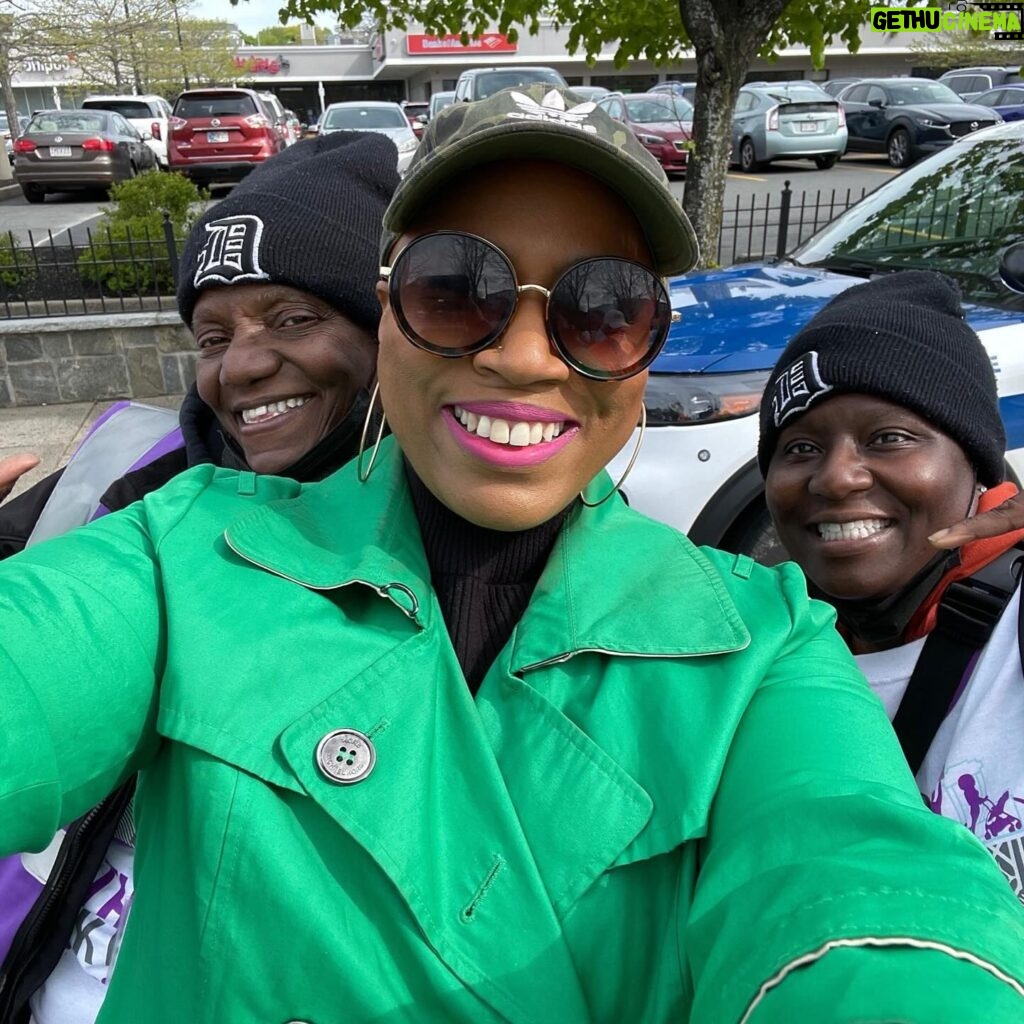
(107, 273)
(766, 226)
(111, 271)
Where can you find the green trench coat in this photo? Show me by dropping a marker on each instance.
(672, 789)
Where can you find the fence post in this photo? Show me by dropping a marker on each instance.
(780, 244)
(172, 247)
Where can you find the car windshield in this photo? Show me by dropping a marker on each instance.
(360, 117)
(921, 92)
(67, 121)
(494, 81)
(662, 108)
(126, 108)
(953, 213)
(798, 95)
(233, 105)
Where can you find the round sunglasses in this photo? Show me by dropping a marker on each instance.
(453, 294)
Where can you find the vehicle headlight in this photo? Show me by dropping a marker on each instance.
(681, 399)
(931, 122)
(408, 145)
(650, 140)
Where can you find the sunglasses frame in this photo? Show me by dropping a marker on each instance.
(448, 352)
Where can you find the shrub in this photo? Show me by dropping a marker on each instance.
(129, 249)
(15, 268)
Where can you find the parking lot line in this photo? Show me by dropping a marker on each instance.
(745, 177)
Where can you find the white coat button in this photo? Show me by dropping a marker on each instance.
(345, 756)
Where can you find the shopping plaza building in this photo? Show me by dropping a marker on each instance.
(412, 65)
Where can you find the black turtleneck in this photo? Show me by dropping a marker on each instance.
(483, 578)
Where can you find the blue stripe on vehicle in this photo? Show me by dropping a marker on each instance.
(1011, 408)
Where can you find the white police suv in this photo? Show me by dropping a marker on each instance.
(960, 212)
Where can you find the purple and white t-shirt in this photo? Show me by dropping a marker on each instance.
(974, 770)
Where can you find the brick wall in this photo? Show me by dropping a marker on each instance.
(90, 358)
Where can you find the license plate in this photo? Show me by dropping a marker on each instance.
(216, 136)
(60, 151)
(808, 126)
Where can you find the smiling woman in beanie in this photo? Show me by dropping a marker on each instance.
(456, 736)
(277, 285)
(880, 428)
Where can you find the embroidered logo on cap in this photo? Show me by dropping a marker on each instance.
(552, 108)
(799, 385)
(232, 251)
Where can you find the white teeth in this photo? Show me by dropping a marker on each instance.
(271, 410)
(857, 530)
(517, 433)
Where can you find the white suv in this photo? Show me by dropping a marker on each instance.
(148, 114)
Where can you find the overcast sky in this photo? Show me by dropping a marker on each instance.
(249, 15)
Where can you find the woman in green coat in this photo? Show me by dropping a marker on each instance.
(442, 739)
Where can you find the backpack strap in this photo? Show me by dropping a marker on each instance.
(967, 615)
(128, 435)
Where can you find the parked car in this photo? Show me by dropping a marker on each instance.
(278, 116)
(438, 101)
(220, 135)
(416, 114)
(295, 126)
(373, 116)
(834, 86)
(957, 212)
(905, 118)
(785, 121)
(479, 83)
(590, 92)
(148, 114)
(1006, 100)
(687, 90)
(68, 150)
(968, 83)
(663, 123)
(5, 131)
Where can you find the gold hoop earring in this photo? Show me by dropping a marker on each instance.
(363, 477)
(629, 467)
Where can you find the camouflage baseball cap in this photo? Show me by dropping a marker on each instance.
(545, 123)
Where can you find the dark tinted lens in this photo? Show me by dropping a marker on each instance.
(452, 292)
(610, 316)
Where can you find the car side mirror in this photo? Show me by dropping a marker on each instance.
(313, 129)
(1011, 267)
(421, 119)
(878, 104)
(146, 136)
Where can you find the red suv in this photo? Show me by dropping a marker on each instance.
(219, 135)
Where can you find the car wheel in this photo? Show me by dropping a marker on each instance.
(898, 148)
(748, 157)
(34, 193)
(823, 163)
(754, 535)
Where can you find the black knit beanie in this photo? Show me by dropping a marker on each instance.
(903, 338)
(309, 217)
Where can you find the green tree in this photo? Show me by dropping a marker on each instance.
(144, 45)
(725, 36)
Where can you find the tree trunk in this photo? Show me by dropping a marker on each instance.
(726, 35)
(7, 90)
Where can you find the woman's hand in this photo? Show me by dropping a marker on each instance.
(1003, 518)
(12, 468)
